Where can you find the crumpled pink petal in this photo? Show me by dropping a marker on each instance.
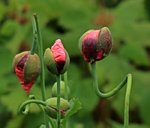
(59, 54)
(19, 70)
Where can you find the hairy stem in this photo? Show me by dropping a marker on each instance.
(66, 85)
(40, 47)
(127, 101)
(110, 93)
(127, 80)
(23, 105)
(34, 42)
(58, 101)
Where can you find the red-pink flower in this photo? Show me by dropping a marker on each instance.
(27, 69)
(56, 58)
(95, 44)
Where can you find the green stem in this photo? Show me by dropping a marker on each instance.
(58, 101)
(38, 102)
(66, 94)
(110, 93)
(66, 85)
(127, 100)
(40, 44)
(34, 42)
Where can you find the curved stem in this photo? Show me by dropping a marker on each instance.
(127, 80)
(39, 39)
(38, 102)
(127, 101)
(58, 101)
(95, 84)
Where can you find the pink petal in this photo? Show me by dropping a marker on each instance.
(59, 54)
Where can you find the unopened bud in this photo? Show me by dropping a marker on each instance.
(27, 68)
(95, 44)
(51, 108)
(56, 59)
(62, 89)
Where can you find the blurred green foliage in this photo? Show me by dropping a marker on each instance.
(129, 22)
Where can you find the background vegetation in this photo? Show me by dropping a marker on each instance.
(129, 22)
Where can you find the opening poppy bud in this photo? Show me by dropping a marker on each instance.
(51, 108)
(27, 68)
(56, 59)
(62, 89)
(95, 44)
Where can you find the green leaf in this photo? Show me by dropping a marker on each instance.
(42, 126)
(15, 122)
(20, 35)
(14, 99)
(75, 106)
(8, 29)
(132, 28)
(7, 78)
(134, 53)
(117, 125)
(2, 10)
(144, 106)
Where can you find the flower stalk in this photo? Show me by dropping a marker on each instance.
(40, 47)
(38, 102)
(66, 85)
(58, 101)
(127, 101)
(96, 88)
(127, 80)
(34, 42)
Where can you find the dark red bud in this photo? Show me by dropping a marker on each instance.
(95, 44)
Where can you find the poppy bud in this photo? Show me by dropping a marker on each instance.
(62, 89)
(51, 108)
(95, 44)
(27, 68)
(56, 58)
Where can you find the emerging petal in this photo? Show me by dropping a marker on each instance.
(59, 54)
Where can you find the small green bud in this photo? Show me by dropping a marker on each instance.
(51, 108)
(62, 89)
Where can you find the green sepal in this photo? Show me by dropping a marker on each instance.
(67, 62)
(17, 58)
(32, 68)
(104, 41)
(50, 62)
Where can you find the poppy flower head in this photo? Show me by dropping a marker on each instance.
(95, 44)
